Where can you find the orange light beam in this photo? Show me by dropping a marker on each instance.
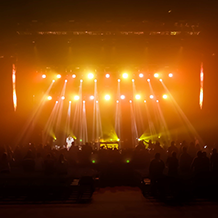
(14, 87)
(201, 96)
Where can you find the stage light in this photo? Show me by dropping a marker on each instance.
(58, 76)
(157, 101)
(144, 101)
(165, 96)
(125, 75)
(43, 76)
(137, 97)
(93, 161)
(160, 80)
(65, 80)
(118, 80)
(76, 97)
(95, 80)
(96, 102)
(107, 75)
(84, 102)
(118, 140)
(151, 96)
(170, 75)
(141, 75)
(69, 102)
(53, 80)
(62, 97)
(117, 101)
(127, 161)
(130, 101)
(91, 97)
(74, 76)
(107, 97)
(56, 102)
(133, 80)
(148, 80)
(122, 97)
(156, 75)
(81, 80)
(49, 98)
(90, 75)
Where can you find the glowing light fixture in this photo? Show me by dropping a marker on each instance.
(95, 80)
(69, 102)
(151, 96)
(56, 102)
(14, 88)
(122, 97)
(107, 75)
(74, 76)
(93, 161)
(59, 76)
(157, 101)
(49, 98)
(43, 76)
(148, 80)
(90, 75)
(62, 97)
(156, 75)
(118, 80)
(107, 97)
(76, 97)
(141, 75)
(138, 96)
(130, 101)
(170, 75)
(117, 101)
(53, 80)
(144, 101)
(65, 80)
(127, 161)
(160, 80)
(91, 97)
(81, 80)
(125, 75)
(165, 96)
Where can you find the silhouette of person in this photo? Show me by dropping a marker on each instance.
(185, 161)
(173, 164)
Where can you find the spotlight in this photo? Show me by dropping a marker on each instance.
(59, 76)
(81, 80)
(95, 80)
(165, 96)
(156, 75)
(144, 101)
(69, 102)
(62, 97)
(49, 98)
(90, 76)
(137, 97)
(170, 75)
(141, 75)
(125, 75)
(118, 80)
(157, 101)
(65, 80)
(122, 97)
(93, 161)
(107, 97)
(53, 80)
(56, 102)
(151, 96)
(43, 76)
(117, 101)
(91, 97)
(160, 80)
(74, 76)
(84, 102)
(96, 102)
(127, 161)
(130, 101)
(107, 75)
(76, 97)
(133, 80)
(148, 80)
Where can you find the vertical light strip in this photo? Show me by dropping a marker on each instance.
(14, 88)
(201, 97)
